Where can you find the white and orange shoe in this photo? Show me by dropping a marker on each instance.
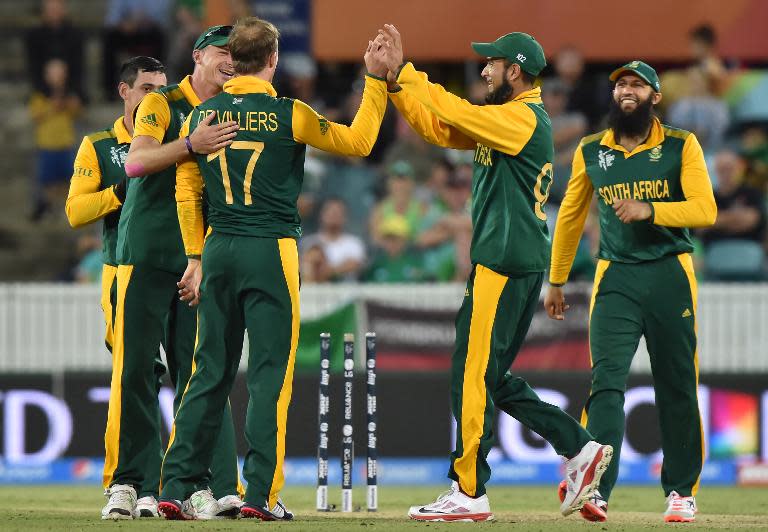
(582, 475)
(680, 509)
(453, 505)
(595, 509)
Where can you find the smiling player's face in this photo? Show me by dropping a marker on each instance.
(216, 64)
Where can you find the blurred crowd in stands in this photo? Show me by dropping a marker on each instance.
(402, 215)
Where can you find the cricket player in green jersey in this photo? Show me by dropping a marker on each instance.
(96, 192)
(652, 185)
(512, 139)
(250, 263)
(151, 260)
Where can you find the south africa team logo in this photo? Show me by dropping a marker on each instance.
(655, 154)
(324, 125)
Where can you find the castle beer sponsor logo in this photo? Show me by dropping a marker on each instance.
(651, 189)
(324, 125)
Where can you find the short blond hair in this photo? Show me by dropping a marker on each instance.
(251, 43)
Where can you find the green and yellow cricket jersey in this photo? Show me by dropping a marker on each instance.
(149, 228)
(99, 166)
(252, 185)
(667, 171)
(512, 166)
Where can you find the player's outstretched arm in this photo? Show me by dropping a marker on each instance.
(699, 208)
(570, 221)
(86, 202)
(149, 155)
(357, 139)
(507, 128)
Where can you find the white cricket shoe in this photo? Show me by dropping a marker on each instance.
(121, 503)
(453, 505)
(277, 513)
(229, 506)
(582, 475)
(680, 509)
(147, 506)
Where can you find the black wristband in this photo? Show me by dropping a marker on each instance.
(557, 285)
(374, 76)
(196, 257)
(188, 143)
(119, 189)
(653, 213)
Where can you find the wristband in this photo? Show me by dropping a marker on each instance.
(194, 257)
(557, 285)
(188, 143)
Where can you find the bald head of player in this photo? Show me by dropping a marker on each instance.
(514, 61)
(253, 47)
(636, 91)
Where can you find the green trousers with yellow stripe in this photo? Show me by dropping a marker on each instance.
(251, 284)
(655, 299)
(148, 314)
(149, 487)
(490, 328)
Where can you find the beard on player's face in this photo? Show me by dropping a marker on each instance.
(500, 94)
(632, 123)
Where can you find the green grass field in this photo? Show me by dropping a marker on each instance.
(536, 508)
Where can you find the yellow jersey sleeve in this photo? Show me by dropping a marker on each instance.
(570, 221)
(153, 117)
(86, 202)
(699, 208)
(427, 125)
(357, 139)
(506, 128)
(189, 200)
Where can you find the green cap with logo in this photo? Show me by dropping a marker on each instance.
(516, 47)
(213, 36)
(643, 70)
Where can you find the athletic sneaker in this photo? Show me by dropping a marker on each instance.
(582, 475)
(595, 509)
(121, 503)
(277, 513)
(147, 506)
(229, 506)
(453, 505)
(680, 509)
(201, 506)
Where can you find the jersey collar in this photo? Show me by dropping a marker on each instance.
(529, 96)
(655, 137)
(249, 85)
(121, 132)
(189, 93)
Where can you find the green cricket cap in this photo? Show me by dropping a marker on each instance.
(401, 168)
(516, 47)
(213, 36)
(643, 70)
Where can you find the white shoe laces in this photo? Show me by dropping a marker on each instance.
(120, 497)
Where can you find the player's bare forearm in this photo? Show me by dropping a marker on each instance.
(148, 156)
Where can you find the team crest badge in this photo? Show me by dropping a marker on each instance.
(605, 159)
(634, 64)
(655, 154)
(323, 125)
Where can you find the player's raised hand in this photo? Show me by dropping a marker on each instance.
(554, 303)
(207, 138)
(392, 46)
(374, 58)
(629, 210)
(189, 285)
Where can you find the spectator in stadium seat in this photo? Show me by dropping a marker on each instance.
(133, 27)
(188, 25)
(587, 94)
(343, 253)
(53, 111)
(399, 203)
(703, 45)
(741, 210)
(446, 231)
(700, 111)
(395, 261)
(568, 126)
(55, 38)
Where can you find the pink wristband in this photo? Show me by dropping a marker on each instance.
(189, 145)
